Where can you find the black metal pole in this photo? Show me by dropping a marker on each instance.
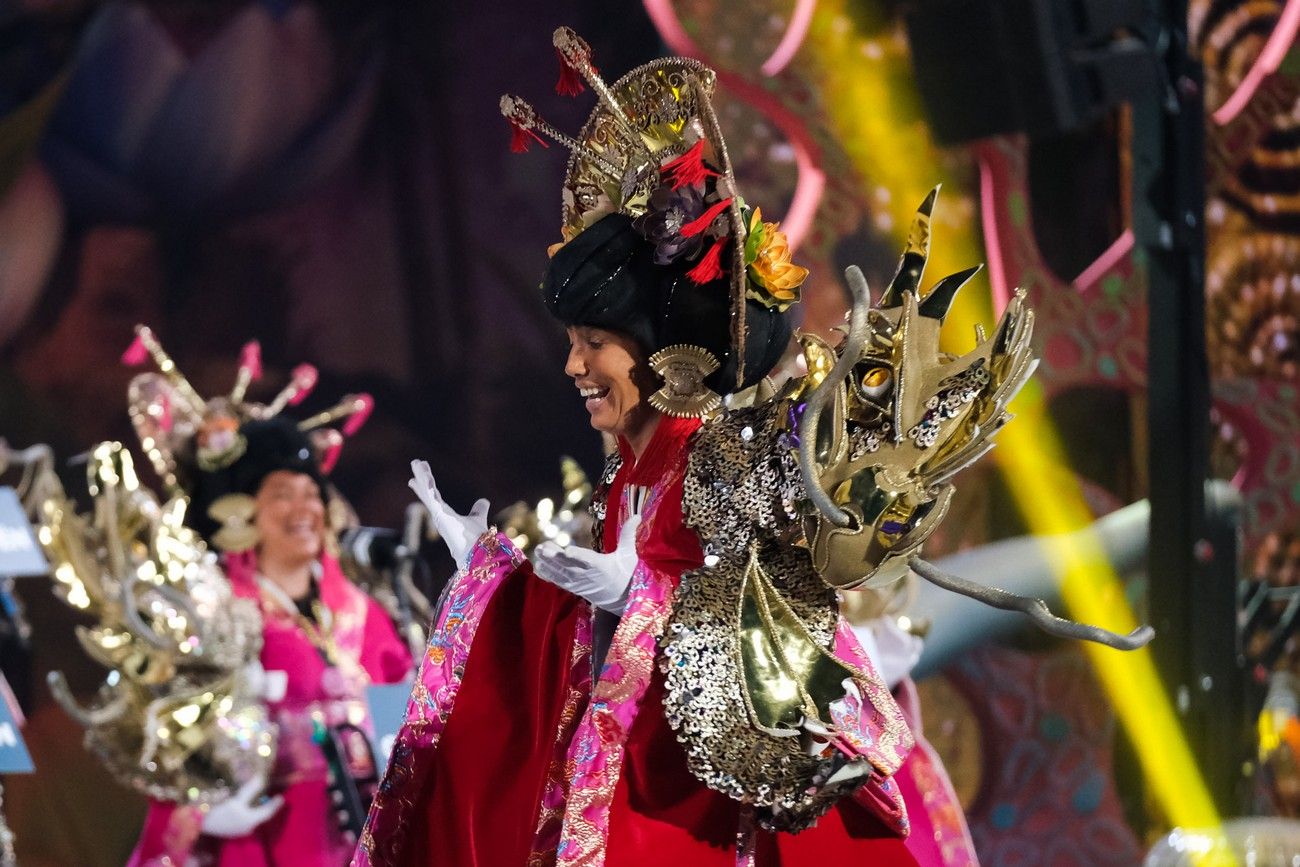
(1192, 564)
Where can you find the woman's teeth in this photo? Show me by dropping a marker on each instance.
(593, 397)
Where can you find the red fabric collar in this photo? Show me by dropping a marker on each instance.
(666, 447)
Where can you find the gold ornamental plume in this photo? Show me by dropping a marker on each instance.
(888, 420)
(177, 717)
(173, 421)
(564, 521)
(658, 115)
(904, 417)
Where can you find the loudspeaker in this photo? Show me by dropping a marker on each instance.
(989, 67)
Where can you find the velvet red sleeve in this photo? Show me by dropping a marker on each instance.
(481, 799)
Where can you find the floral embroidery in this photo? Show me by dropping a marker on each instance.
(892, 739)
(492, 560)
(551, 814)
(597, 752)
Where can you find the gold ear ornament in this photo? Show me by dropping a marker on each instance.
(683, 368)
(234, 512)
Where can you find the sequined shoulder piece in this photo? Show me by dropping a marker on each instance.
(757, 589)
(743, 480)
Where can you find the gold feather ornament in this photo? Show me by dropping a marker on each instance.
(683, 368)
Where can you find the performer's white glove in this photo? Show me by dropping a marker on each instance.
(893, 652)
(237, 816)
(601, 579)
(459, 532)
(267, 685)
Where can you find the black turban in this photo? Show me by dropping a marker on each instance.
(606, 277)
(270, 445)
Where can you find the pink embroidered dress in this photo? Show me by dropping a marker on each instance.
(303, 832)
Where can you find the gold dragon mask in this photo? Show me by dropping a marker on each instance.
(889, 418)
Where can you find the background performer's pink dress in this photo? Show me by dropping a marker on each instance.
(303, 832)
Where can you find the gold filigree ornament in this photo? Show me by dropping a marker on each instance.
(683, 368)
(177, 426)
(882, 436)
(235, 514)
(178, 717)
(831, 485)
(899, 418)
(654, 119)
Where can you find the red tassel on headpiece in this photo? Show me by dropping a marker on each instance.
(570, 83)
(136, 354)
(329, 445)
(709, 268)
(689, 168)
(304, 380)
(250, 359)
(703, 221)
(358, 418)
(521, 138)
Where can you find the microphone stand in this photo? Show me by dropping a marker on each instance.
(404, 589)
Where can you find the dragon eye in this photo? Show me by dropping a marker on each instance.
(876, 381)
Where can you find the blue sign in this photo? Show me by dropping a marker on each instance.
(20, 554)
(387, 711)
(14, 758)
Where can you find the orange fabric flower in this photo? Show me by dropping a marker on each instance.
(774, 279)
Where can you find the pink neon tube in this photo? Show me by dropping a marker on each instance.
(1270, 58)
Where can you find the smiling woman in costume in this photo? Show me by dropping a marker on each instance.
(543, 727)
(688, 693)
(258, 492)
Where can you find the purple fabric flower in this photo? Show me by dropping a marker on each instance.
(661, 225)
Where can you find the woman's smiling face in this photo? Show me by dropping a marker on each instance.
(290, 517)
(612, 373)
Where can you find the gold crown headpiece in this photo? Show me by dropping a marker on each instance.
(652, 149)
(171, 418)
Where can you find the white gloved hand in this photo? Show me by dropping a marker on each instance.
(893, 652)
(601, 579)
(458, 532)
(237, 816)
(267, 685)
